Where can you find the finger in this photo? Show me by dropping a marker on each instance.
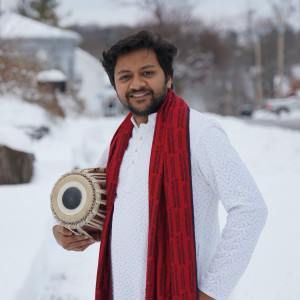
(77, 238)
(65, 231)
(58, 229)
(68, 242)
(80, 249)
(80, 244)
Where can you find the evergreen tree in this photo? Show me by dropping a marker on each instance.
(40, 10)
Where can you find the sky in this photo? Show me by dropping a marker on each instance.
(113, 12)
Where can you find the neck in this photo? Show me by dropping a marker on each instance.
(140, 119)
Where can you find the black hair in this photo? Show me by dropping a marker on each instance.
(165, 51)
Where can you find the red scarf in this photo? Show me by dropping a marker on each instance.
(171, 263)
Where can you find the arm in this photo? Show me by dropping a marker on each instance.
(246, 212)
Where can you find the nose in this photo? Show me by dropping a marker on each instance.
(137, 83)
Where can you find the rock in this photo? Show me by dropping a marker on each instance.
(15, 166)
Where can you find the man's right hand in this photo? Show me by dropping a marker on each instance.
(70, 241)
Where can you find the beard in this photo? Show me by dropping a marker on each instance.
(156, 101)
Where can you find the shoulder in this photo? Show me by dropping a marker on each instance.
(204, 125)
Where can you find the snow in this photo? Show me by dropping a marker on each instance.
(295, 70)
(34, 267)
(16, 118)
(282, 83)
(14, 26)
(266, 115)
(93, 79)
(52, 75)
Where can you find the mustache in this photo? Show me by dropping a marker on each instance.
(143, 90)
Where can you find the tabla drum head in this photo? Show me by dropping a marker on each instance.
(76, 198)
(71, 198)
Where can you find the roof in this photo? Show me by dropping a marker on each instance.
(14, 26)
(51, 76)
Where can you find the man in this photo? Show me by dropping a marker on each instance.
(167, 169)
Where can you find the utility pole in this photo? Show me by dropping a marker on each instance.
(280, 11)
(258, 73)
(299, 12)
(255, 41)
(280, 57)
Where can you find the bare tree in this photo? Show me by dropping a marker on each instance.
(163, 10)
(282, 11)
(41, 10)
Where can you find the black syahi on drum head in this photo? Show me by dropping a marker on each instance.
(71, 198)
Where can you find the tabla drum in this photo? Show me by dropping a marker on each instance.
(78, 200)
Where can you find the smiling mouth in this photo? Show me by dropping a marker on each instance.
(140, 95)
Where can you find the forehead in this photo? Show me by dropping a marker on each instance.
(136, 59)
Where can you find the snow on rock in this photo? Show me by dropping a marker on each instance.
(14, 26)
(18, 116)
(15, 138)
(18, 113)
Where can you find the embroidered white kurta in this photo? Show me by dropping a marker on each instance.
(218, 174)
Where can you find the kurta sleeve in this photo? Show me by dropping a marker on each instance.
(246, 209)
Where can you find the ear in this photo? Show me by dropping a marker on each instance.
(169, 82)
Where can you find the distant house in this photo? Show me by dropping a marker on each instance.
(59, 49)
(29, 37)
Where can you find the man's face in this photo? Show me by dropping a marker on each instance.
(140, 83)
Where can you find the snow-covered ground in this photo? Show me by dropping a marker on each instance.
(34, 267)
(264, 115)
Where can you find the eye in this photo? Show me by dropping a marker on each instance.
(124, 77)
(148, 73)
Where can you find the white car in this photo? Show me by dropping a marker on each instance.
(282, 104)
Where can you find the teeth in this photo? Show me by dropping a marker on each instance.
(138, 95)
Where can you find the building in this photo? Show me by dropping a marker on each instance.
(50, 44)
(59, 50)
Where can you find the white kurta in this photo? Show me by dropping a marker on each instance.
(218, 174)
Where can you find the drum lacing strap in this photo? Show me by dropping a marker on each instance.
(96, 223)
(101, 215)
(80, 231)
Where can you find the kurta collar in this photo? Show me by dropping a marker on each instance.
(151, 120)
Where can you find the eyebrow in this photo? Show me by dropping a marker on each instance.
(142, 68)
(147, 66)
